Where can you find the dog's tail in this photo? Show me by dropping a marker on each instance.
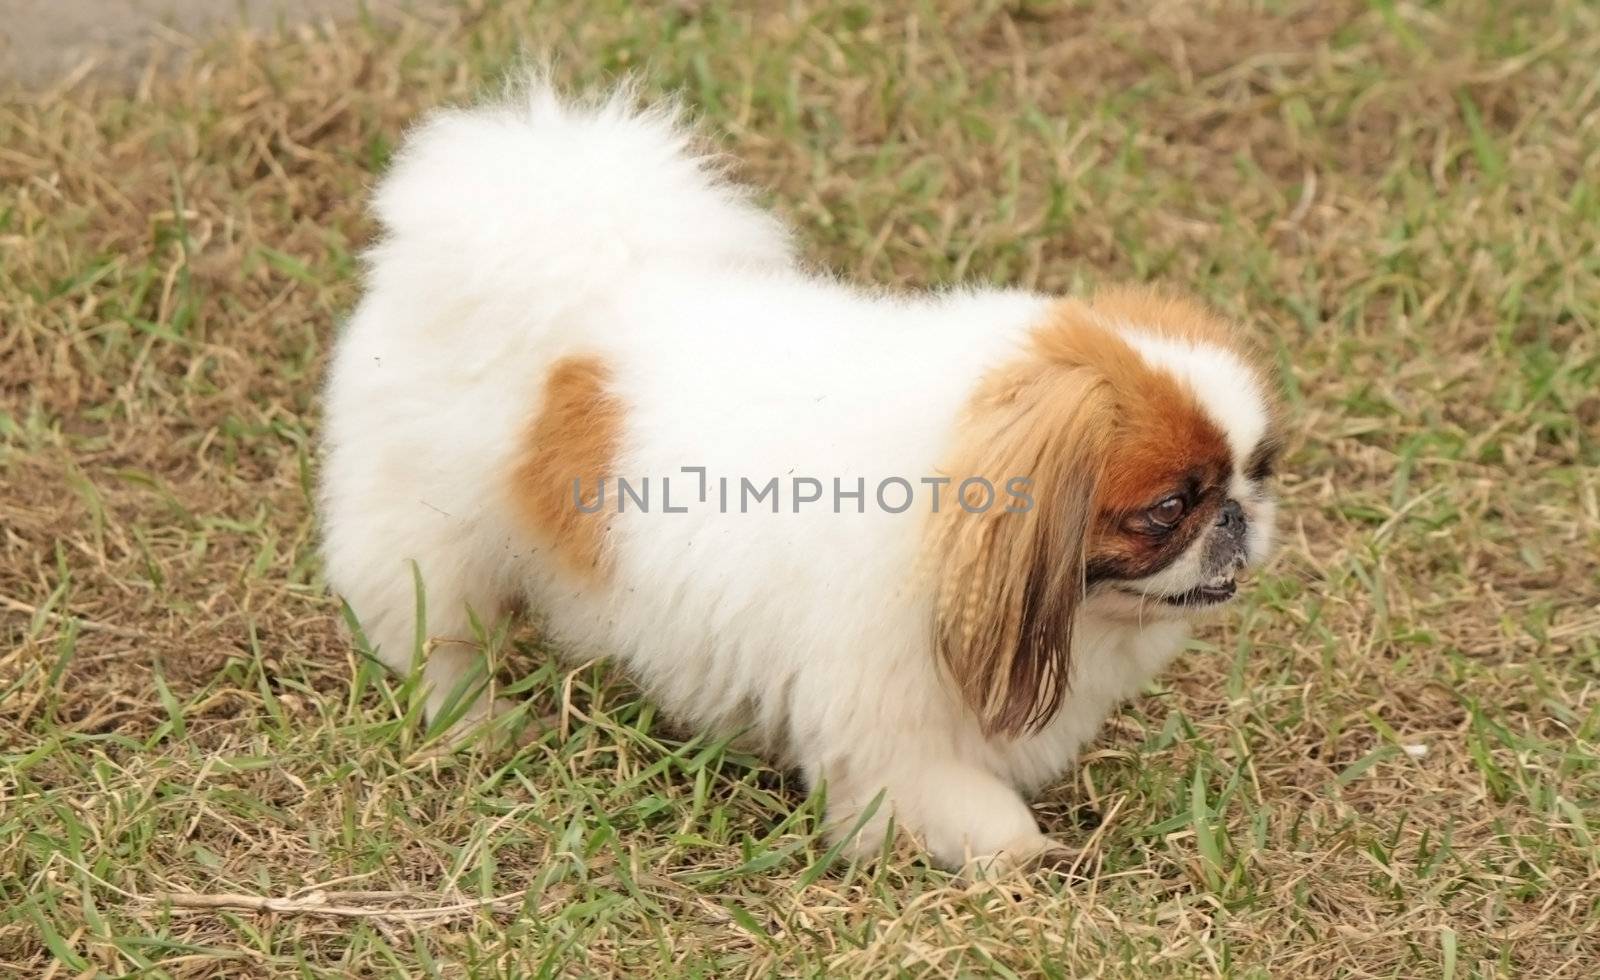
(571, 196)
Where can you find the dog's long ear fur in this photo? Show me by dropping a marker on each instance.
(1008, 581)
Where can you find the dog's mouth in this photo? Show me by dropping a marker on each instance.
(1212, 593)
(1209, 594)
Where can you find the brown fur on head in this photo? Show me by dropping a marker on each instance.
(1103, 436)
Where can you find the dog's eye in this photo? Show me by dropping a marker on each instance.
(1167, 513)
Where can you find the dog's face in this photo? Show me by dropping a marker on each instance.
(1182, 554)
(1149, 441)
(1184, 500)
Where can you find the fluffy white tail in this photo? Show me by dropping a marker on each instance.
(573, 195)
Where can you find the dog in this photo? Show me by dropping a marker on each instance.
(916, 545)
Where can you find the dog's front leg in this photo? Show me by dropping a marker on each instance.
(967, 818)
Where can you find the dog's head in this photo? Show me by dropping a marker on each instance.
(1145, 442)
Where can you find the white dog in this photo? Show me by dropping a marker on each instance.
(916, 545)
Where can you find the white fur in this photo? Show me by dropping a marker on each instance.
(1225, 387)
(519, 234)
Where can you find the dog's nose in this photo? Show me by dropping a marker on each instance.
(1232, 515)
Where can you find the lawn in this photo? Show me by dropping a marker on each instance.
(1383, 761)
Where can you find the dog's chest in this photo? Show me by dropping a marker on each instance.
(1113, 662)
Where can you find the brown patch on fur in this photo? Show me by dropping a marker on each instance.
(1103, 436)
(1180, 318)
(574, 437)
(1164, 314)
(1162, 431)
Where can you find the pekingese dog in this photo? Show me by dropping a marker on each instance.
(917, 545)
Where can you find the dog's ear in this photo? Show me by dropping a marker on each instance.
(1009, 578)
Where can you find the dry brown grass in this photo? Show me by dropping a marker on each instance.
(1383, 764)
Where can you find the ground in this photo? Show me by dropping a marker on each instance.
(1382, 762)
(46, 39)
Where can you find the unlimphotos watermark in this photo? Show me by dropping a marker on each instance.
(793, 494)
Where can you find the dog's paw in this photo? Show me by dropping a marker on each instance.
(1023, 857)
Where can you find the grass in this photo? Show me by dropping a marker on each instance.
(1384, 762)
